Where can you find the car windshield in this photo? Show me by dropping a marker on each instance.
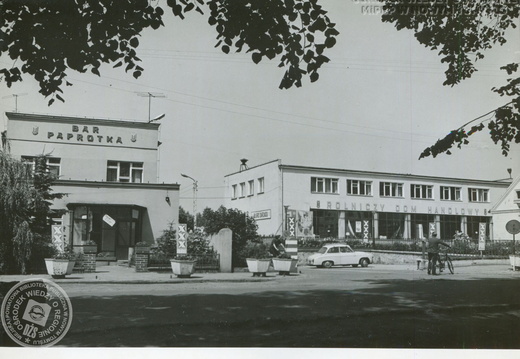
(322, 250)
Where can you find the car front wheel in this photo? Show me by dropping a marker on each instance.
(327, 264)
(364, 262)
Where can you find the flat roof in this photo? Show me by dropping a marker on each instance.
(80, 120)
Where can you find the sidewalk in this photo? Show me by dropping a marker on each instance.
(128, 275)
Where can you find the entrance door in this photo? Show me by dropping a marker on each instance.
(124, 239)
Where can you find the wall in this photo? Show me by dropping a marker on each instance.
(266, 206)
(505, 210)
(85, 145)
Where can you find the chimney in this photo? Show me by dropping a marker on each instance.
(243, 164)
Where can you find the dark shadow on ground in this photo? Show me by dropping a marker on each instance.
(393, 314)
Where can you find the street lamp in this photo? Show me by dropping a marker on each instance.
(195, 188)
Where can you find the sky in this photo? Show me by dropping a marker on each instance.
(378, 103)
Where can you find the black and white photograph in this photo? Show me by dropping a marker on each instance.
(260, 178)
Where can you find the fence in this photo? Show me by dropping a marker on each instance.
(203, 262)
(459, 248)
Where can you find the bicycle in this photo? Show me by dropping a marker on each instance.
(443, 260)
(447, 260)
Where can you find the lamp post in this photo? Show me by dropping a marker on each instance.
(284, 229)
(195, 188)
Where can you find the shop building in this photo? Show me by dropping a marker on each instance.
(364, 205)
(108, 171)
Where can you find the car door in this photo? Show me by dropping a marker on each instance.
(334, 255)
(348, 256)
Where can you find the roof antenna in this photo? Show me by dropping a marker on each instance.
(243, 164)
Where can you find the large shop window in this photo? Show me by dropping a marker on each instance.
(390, 189)
(449, 226)
(450, 193)
(114, 228)
(359, 188)
(325, 223)
(358, 225)
(118, 171)
(421, 191)
(392, 226)
(420, 225)
(478, 195)
(53, 164)
(473, 225)
(324, 185)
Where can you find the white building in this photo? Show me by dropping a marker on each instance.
(507, 208)
(365, 205)
(108, 170)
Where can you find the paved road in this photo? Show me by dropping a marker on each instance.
(375, 307)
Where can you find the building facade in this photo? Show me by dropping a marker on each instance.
(507, 208)
(108, 171)
(364, 205)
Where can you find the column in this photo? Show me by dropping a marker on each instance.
(341, 225)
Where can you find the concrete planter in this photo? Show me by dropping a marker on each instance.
(284, 266)
(515, 261)
(182, 268)
(59, 268)
(258, 267)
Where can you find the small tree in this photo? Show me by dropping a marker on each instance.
(186, 217)
(25, 213)
(244, 227)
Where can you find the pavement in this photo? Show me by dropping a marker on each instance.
(128, 275)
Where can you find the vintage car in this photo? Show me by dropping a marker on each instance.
(339, 255)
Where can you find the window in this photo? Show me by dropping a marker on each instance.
(478, 195)
(261, 185)
(324, 185)
(421, 191)
(361, 188)
(124, 171)
(450, 193)
(242, 189)
(251, 188)
(234, 191)
(389, 189)
(53, 164)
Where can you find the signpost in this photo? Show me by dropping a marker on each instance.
(513, 227)
(182, 240)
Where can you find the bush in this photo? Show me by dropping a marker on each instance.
(253, 249)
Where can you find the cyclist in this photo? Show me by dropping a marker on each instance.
(433, 252)
(276, 248)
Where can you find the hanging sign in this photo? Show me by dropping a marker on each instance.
(109, 220)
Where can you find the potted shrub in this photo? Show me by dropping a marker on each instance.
(258, 258)
(284, 264)
(183, 266)
(60, 265)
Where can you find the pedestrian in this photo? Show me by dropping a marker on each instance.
(433, 252)
(276, 248)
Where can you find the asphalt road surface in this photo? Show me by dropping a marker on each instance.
(375, 307)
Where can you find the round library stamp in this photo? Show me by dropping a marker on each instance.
(36, 312)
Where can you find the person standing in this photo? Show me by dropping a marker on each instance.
(433, 252)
